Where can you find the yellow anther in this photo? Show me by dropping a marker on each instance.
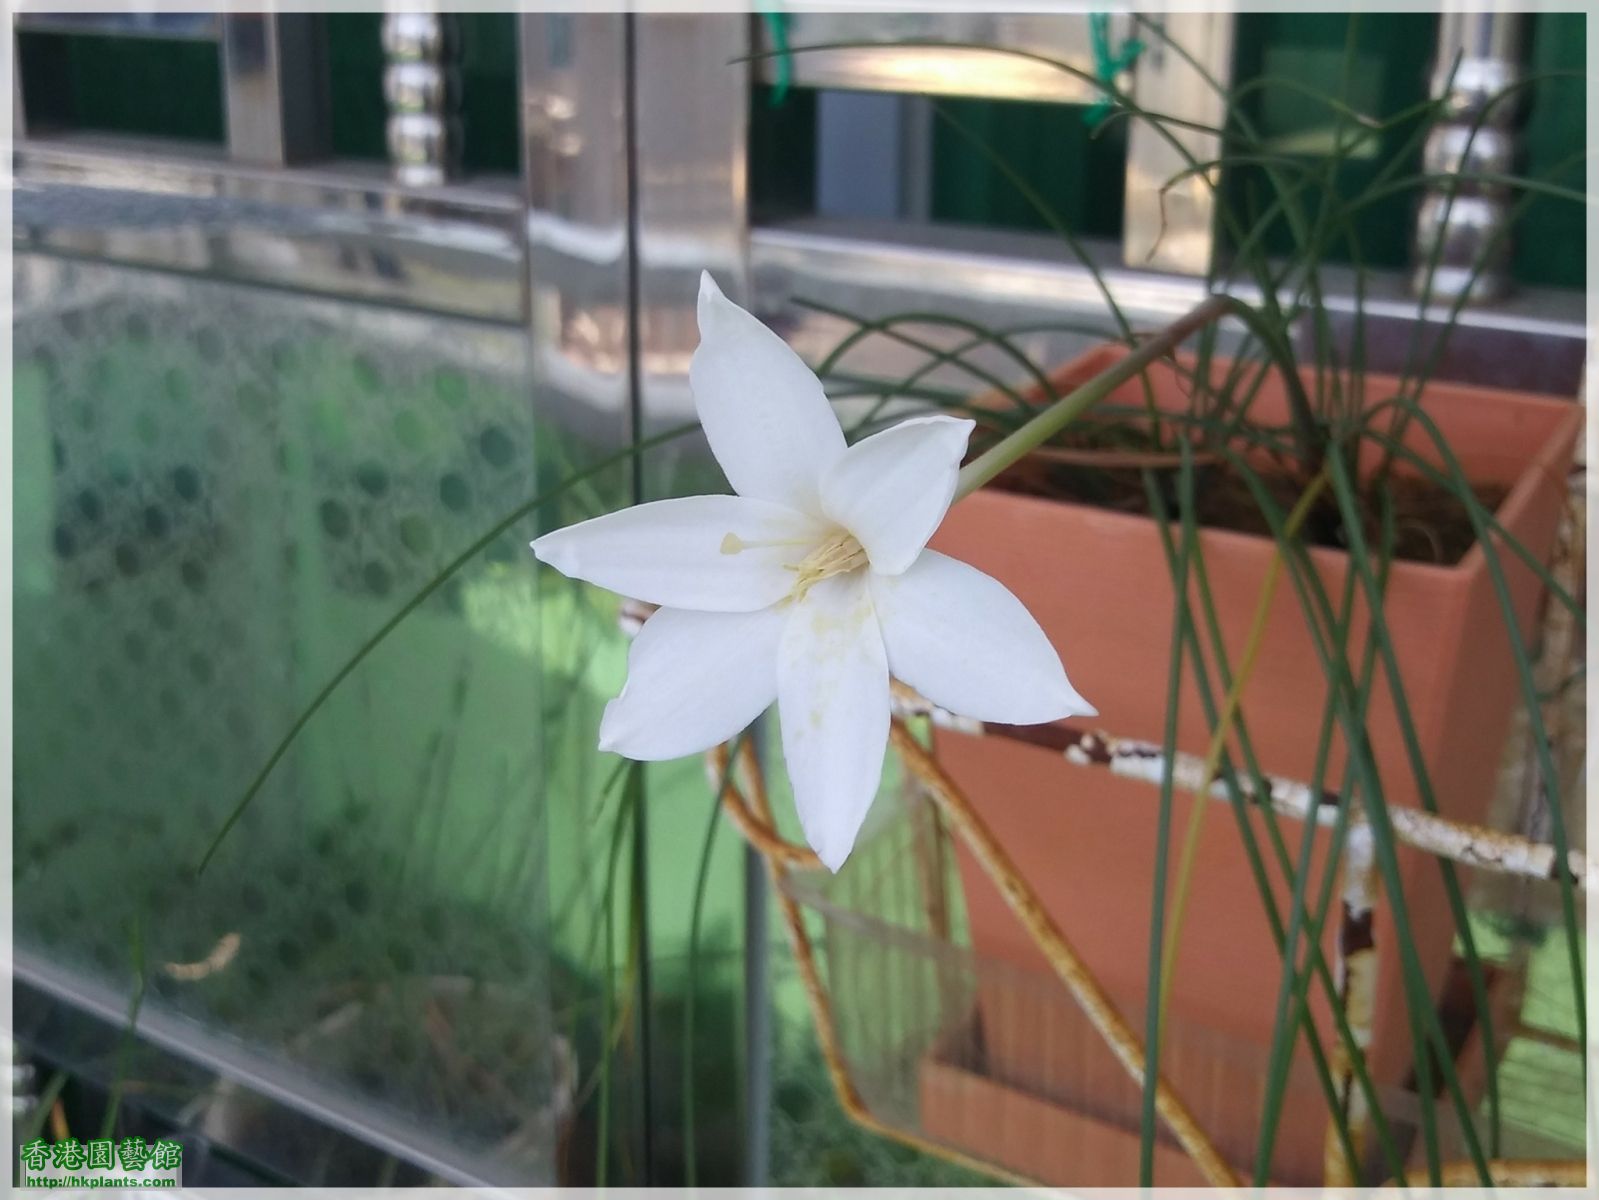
(837, 555)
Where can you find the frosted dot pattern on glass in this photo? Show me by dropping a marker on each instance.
(219, 493)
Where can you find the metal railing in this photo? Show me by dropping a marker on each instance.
(631, 156)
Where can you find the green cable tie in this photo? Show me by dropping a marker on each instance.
(777, 29)
(1107, 65)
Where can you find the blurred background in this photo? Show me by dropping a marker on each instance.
(307, 305)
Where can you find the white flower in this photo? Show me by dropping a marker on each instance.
(810, 586)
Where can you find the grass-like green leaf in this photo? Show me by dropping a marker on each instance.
(1161, 851)
(420, 597)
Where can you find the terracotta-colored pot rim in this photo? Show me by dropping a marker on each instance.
(1539, 467)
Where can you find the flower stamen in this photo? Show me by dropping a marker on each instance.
(838, 555)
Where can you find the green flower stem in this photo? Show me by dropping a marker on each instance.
(987, 466)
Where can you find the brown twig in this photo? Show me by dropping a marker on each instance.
(1458, 841)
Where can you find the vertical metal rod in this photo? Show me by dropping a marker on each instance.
(1460, 222)
(757, 1002)
(422, 87)
(19, 117)
(635, 305)
(275, 87)
(635, 388)
(1174, 229)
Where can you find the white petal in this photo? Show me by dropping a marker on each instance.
(832, 694)
(892, 489)
(694, 679)
(962, 640)
(764, 411)
(678, 553)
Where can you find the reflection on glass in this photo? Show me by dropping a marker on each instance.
(219, 494)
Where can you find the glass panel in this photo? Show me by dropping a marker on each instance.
(219, 494)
